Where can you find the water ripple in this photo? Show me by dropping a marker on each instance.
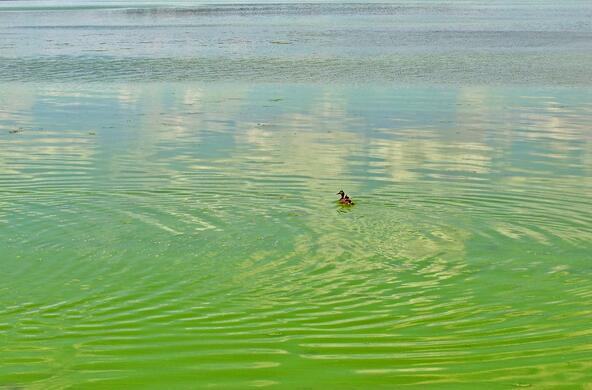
(205, 245)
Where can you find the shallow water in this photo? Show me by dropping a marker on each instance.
(164, 234)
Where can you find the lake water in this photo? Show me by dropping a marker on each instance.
(168, 216)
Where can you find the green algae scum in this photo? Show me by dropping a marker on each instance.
(168, 217)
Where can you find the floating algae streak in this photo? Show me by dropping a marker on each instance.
(186, 235)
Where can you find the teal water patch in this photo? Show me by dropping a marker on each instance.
(443, 69)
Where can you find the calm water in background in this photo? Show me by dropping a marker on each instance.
(167, 207)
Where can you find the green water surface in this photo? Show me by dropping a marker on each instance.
(187, 235)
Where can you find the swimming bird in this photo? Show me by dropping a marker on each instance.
(345, 200)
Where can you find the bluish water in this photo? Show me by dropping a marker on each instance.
(426, 42)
